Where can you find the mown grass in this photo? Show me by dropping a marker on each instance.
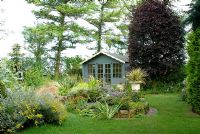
(173, 117)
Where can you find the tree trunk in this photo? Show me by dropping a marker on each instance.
(59, 50)
(38, 55)
(99, 47)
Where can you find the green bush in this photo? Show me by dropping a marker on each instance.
(6, 75)
(21, 109)
(34, 77)
(139, 107)
(193, 70)
(76, 104)
(111, 100)
(91, 90)
(135, 96)
(2, 89)
(156, 87)
(68, 82)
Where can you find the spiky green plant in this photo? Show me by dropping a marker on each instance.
(137, 75)
(105, 111)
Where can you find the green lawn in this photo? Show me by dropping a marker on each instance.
(173, 117)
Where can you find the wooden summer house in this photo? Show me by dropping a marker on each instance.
(108, 67)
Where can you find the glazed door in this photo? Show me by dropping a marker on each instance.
(100, 72)
(107, 75)
(104, 73)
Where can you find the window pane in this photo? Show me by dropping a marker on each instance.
(91, 70)
(117, 70)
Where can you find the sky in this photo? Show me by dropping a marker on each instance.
(17, 14)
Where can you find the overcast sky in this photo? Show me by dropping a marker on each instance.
(17, 14)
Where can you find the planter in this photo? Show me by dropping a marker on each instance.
(125, 114)
(135, 86)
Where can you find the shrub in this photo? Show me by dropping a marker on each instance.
(157, 87)
(2, 89)
(53, 111)
(111, 100)
(135, 96)
(34, 77)
(139, 107)
(68, 82)
(193, 70)
(6, 75)
(24, 108)
(76, 104)
(91, 90)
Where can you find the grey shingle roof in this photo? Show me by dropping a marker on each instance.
(118, 56)
(121, 58)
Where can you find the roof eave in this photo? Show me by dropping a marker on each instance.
(104, 54)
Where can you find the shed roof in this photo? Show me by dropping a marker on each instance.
(120, 58)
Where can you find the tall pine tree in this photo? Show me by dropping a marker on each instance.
(37, 38)
(107, 17)
(60, 18)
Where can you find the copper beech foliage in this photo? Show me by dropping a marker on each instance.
(156, 38)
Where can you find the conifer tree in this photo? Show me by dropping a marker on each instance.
(60, 18)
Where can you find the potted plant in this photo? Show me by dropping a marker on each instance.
(136, 77)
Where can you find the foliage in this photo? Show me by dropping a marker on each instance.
(91, 89)
(157, 87)
(59, 19)
(194, 15)
(103, 14)
(111, 100)
(37, 40)
(171, 83)
(34, 77)
(137, 75)
(6, 75)
(135, 96)
(156, 39)
(76, 104)
(72, 65)
(172, 112)
(139, 107)
(68, 82)
(2, 89)
(53, 111)
(193, 70)
(104, 111)
(22, 109)
(16, 58)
